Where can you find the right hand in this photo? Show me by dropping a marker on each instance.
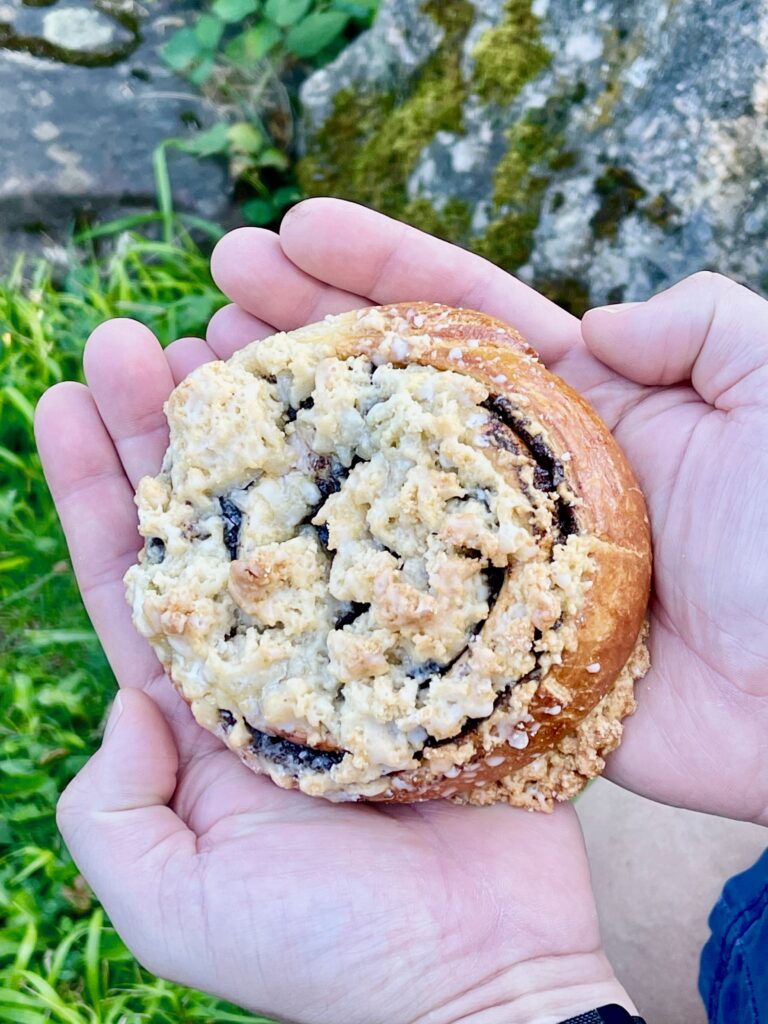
(694, 423)
(682, 380)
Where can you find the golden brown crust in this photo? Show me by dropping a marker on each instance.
(609, 509)
(561, 772)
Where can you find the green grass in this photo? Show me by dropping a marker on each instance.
(60, 961)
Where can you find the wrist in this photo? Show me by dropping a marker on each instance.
(545, 990)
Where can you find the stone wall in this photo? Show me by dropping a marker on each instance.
(85, 99)
(599, 149)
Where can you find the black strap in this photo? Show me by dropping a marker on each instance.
(612, 1014)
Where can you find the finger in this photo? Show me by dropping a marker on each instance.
(250, 267)
(115, 820)
(94, 501)
(351, 247)
(130, 379)
(231, 328)
(185, 355)
(95, 505)
(706, 329)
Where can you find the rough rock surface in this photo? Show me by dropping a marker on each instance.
(85, 100)
(600, 149)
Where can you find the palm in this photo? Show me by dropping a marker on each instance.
(347, 901)
(699, 733)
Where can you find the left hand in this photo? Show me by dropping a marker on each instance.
(216, 878)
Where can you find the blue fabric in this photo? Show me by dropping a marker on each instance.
(734, 963)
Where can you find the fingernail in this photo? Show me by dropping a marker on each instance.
(114, 713)
(619, 307)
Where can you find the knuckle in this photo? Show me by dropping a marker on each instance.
(71, 809)
(714, 281)
(702, 277)
(66, 807)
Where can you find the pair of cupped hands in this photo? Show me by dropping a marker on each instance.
(428, 913)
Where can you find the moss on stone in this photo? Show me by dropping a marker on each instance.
(535, 152)
(509, 54)
(661, 211)
(570, 293)
(454, 17)
(369, 146)
(451, 222)
(620, 192)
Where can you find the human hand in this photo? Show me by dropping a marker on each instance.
(688, 402)
(216, 878)
(700, 450)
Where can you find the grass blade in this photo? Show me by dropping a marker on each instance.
(51, 998)
(53, 637)
(92, 947)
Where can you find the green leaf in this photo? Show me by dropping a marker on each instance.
(209, 30)
(253, 44)
(193, 311)
(50, 997)
(258, 211)
(181, 49)
(286, 194)
(363, 9)
(245, 137)
(273, 157)
(260, 39)
(233, 11)
(202, 72)
(16, 1016)
(315, 32)
(286, 12)
(207, 143)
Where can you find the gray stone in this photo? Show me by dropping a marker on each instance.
(647, 140)
(399, 44)
(79, 28)
(86, 99)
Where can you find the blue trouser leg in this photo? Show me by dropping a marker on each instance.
(734, 963)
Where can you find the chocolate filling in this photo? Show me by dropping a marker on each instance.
(296, 757)
(351, 610)
(548, 473)
(155, 549)
(291, 412)
(427, 669)
(494, 578)
(322, 536)
(232, 518)
(329, 475)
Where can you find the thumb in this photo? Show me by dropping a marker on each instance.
(114, 815)
(706, 329)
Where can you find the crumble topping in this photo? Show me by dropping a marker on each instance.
(326, 544)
